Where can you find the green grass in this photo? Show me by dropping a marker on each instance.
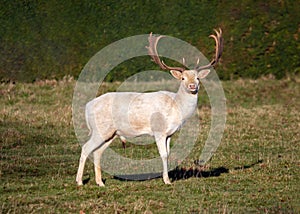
(255, 169)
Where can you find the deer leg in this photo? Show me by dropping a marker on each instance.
(82, 161)
(163, 151)
(168, 145)
(97, 157)
(87, 148)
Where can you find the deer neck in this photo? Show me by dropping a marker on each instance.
(187, 102)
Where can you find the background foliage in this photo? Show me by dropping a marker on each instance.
(52, 39)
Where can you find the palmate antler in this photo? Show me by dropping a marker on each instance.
(152, 51)
(219, 49)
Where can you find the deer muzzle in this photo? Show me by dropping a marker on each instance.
(193, 87)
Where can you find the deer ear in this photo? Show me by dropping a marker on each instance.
(176, 74)
(203, 73)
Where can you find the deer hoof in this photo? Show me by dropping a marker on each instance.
(167, 181)
(101, 184)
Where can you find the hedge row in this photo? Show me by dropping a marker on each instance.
(52, 39)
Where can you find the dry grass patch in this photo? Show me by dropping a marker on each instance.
(255, 169)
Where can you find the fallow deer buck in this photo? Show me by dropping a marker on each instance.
(158, 114)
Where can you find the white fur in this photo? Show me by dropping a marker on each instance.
(129, 114)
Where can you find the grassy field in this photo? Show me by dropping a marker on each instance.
(256, 168)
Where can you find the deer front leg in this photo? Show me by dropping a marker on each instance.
(161, 142)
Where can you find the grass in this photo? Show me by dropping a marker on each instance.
(255, 169)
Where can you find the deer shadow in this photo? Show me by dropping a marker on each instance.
(181, 173)
(200, 171)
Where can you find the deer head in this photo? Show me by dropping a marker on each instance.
(190, 79)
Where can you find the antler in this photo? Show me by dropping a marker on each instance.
(219, 49)
(152, 51)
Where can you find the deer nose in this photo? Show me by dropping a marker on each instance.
(192, 86)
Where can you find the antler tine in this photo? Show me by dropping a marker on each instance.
(219, 49)
(152, 51)
(151, 48)
(219, 43)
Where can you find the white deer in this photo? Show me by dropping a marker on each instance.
(159, 114)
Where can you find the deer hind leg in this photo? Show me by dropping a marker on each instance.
(97, 157)
(82, 161)
(92, 144)
(168, 145)
(161, 142)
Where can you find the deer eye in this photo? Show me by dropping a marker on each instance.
(182, 78)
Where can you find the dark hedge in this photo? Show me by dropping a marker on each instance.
(52, 39)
